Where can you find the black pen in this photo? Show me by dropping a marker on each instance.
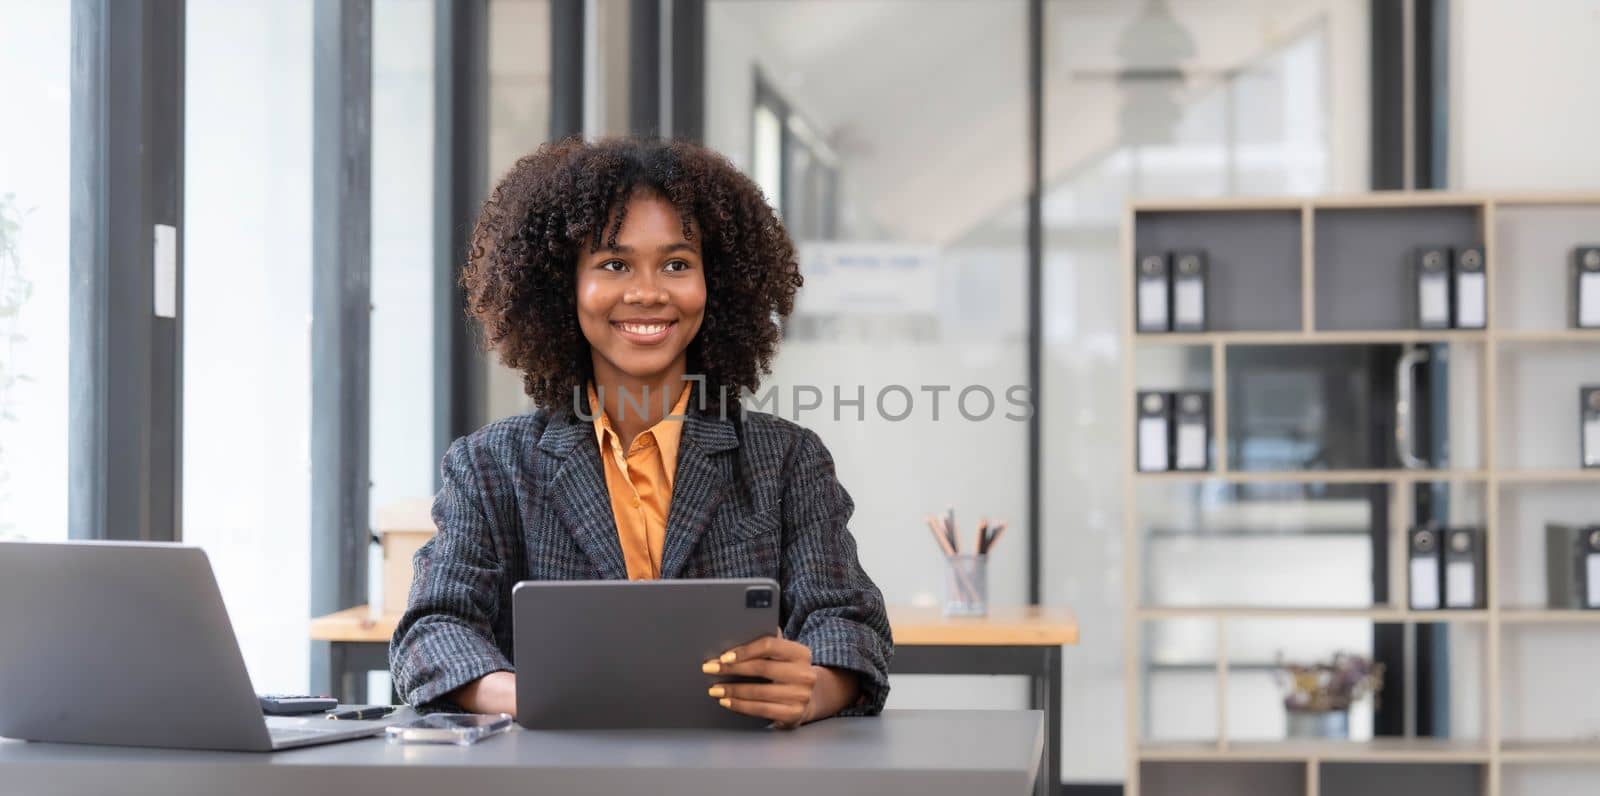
(362, 714)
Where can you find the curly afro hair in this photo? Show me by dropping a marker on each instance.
(521, 271)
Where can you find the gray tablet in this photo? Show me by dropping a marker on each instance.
(627, 654)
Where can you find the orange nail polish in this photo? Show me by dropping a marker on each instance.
(728, 657)
(717, 691)
(711, 667)
(727, 703)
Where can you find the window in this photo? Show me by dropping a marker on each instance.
(247, 302)
(35, 168)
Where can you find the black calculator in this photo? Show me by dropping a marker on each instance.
(295, 704)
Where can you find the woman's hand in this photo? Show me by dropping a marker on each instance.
(495, 692)
(799, 692)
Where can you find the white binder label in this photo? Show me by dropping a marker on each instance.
(1152, 443)
(1153, 304)
(1191, 446)
(1435, 301)
(1591, 443)
(1460, 586)
(1470, 309)
(1188, 302)
(1594, 580)
(1425, 583)
(1589, 300)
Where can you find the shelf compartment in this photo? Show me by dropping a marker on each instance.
(1186, 564)
(1363, 258)
(1181, 697)
(1402, 778)
(1533, 248)
(1215, 777)
(1536, 427)
(1253, 256)
(1547, 693)
(1518, 543)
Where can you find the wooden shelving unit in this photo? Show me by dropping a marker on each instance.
(1382, 750)
(1376, 614)
(1316, 476)
(1512, 331)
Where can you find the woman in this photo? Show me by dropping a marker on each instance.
(638, 286)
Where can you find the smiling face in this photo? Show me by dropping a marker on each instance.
(642, 301)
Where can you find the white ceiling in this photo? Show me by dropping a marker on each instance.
(926, 100)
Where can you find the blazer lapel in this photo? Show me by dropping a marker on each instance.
(582, 500)
(698, 487)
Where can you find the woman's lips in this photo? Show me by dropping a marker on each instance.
(643, 332)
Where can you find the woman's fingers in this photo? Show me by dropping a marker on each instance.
(773, 647)
(783, 693)
(774, 670)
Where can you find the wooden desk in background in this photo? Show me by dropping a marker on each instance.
(1023, 641)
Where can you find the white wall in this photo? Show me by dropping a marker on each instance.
(1524, 95)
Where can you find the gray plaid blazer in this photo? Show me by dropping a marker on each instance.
(525, 499)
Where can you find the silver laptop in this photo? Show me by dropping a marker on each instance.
(643, 639)
(129, 644)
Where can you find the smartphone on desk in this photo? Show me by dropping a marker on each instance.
(461, 729)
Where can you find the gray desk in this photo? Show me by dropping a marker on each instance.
(1014, 640)
(925, 753)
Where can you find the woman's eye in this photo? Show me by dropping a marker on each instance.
(613, 265)
(677, 265)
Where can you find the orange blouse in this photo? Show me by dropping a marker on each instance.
(640, 483)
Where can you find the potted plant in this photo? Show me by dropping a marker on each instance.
(1317, 697)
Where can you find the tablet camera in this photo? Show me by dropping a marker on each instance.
(758, 597)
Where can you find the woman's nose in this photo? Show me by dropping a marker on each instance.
(645, 291)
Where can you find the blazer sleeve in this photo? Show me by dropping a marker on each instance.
(836, 610)
(446, 639)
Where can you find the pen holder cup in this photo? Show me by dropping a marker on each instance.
(966, 585)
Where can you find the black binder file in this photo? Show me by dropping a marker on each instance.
(1191, 448)
(1424, 569)
(1586, 287)
(1189, 291)
(1572, 566)
(1151, 293)
(1155, 431)
(1430, 276)
(1591, 567)
(1471, 289)
(1589, 425)
(1464, 578)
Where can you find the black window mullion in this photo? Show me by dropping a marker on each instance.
(460, 168)
(341, 304)
(125, 360)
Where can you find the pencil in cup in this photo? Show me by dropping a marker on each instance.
(946, 541)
